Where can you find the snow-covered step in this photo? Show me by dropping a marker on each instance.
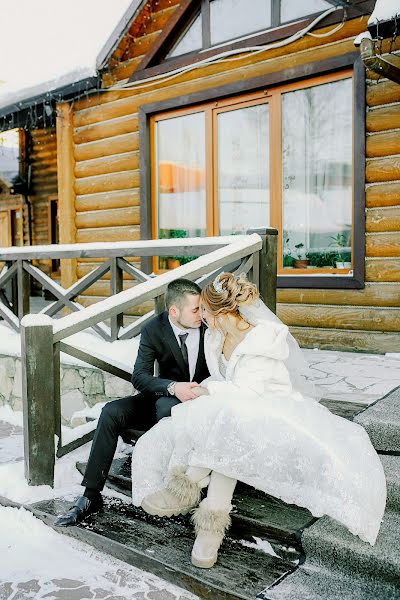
(391, 465)
(163, 547)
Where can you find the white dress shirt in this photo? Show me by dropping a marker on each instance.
(192, 344)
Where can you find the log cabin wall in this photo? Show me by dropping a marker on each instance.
(42, 160)
(106, 191)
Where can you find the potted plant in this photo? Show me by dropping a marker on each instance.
(343, 258)
(288, 259)
(176, 261)
(301, 262)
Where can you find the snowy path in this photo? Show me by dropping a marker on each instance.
(38, 562)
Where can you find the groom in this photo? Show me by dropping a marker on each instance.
(175, 339)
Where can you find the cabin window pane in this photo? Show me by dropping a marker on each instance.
(9, 155)
(243, 169)
(180, 179)
(230, 19)
(301, 8)
(317, 175)
(191, 39)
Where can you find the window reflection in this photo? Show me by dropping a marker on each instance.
(234, 18)
(317, 176)
(243, 169)
(180, 180)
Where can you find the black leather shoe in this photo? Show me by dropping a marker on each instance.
(82, 508)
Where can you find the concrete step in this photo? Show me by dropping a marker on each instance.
(313, 582)
(163, 547)
(382, 422)
(391, 465)
(332, 546)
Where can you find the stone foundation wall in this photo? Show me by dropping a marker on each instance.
(81, 387)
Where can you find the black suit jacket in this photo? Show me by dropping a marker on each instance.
(158, 343)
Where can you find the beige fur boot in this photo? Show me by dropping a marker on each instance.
(210, 527)
(180, 495)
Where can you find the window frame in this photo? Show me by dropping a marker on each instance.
(299, 77)
(155, 63)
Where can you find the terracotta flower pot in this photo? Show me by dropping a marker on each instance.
(173, 263)
(301, 263)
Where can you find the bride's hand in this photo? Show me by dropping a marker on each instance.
(200, 391)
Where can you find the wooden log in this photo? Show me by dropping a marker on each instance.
(106, 129)
(383, 169)
(37, 400)
(383, 219)
(109, 234)
(109, 164)
(380, 119)
(159, 19)
(385, 194)
(103, 112)
(66, 192)
(102, 288)
(374, 294)
(135, 311)
(385, 143)
(108, 200)
(382, 269)
(383, 244)
(349, 341)
(108, 218)
(343, 317)
(107, 183)
(384, 92)
(87, 267)
(118, 144)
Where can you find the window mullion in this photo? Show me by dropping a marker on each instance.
(275, 165)
(275, 13)
(205, 19)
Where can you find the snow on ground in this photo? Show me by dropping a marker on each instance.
(120, 353)
(37, 562)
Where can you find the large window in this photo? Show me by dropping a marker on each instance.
(281, 158)
(9, 155)
(220, 21)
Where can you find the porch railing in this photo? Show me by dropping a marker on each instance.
(44, 338)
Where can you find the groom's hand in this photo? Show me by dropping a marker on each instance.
(184, 390)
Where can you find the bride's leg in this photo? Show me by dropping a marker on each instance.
(181, 493)
(211, 519)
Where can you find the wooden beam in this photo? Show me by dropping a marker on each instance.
(348, 341)
(66, 192)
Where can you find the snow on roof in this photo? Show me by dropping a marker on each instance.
(385, 10)
(49, 44)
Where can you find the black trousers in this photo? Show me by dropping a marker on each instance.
(133, 412)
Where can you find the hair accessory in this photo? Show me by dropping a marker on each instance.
(217, 284)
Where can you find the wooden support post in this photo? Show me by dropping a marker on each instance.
(66, 189)
(116, 283)
(23, 290)
(159, 304)
(38, 399)
(14, 293)
(268, 265)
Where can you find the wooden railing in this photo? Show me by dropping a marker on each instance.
(43, 338)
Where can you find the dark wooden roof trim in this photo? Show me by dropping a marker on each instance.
(166, 40)
(183, 13)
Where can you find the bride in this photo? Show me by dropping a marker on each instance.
(255, 420)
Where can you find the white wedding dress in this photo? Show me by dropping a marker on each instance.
(255, 427)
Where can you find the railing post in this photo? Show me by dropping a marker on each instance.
(268, 265)
(38, 398)
(116, 286)
(23, 290)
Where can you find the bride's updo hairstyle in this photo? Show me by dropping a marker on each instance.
(227, 293)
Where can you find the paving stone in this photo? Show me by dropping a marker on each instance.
(94, 384)
(71, 380)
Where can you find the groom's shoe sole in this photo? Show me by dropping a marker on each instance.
(156, 511)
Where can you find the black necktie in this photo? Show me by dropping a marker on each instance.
(184, 350)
